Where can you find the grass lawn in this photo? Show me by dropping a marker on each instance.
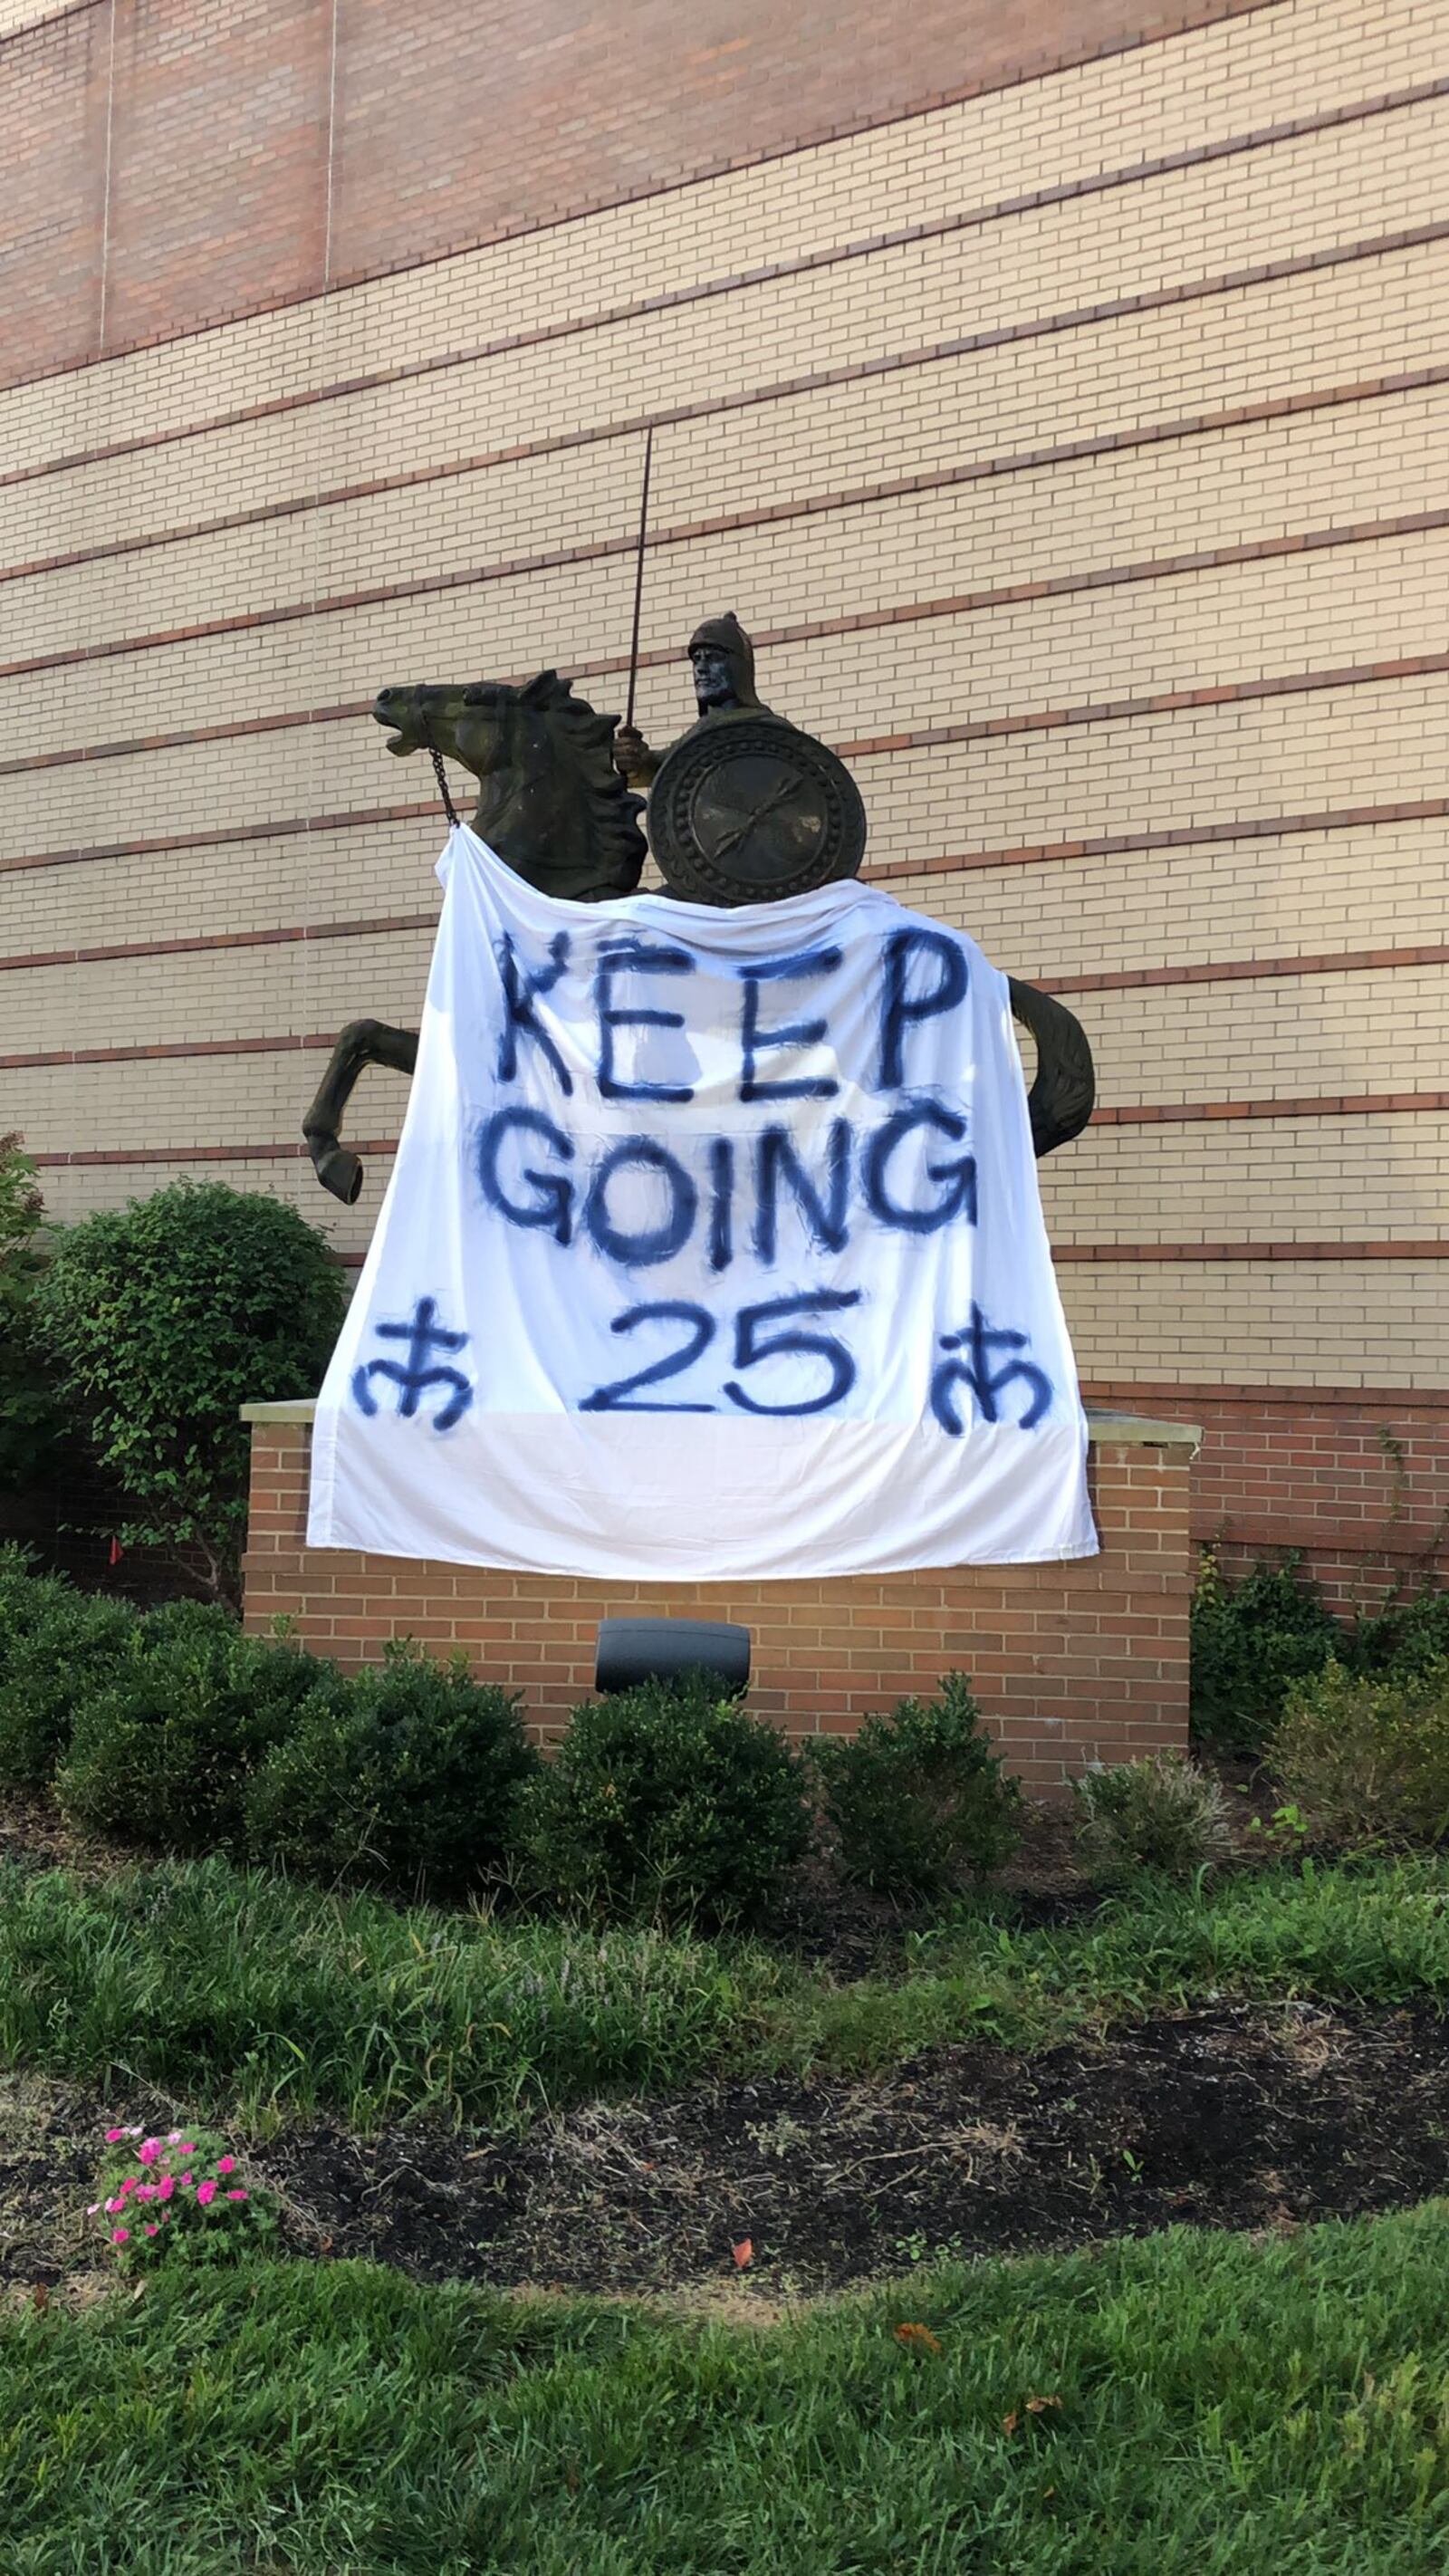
(1188, 2403)
(1190, 2400)
(244, 1995)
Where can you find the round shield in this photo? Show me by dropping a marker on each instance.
(747, 809)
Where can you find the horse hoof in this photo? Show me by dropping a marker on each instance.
(341, 1173)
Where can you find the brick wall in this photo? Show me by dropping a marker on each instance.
(1071, 1663)
(1359, 1483)
(1075, 448)
(247, 152)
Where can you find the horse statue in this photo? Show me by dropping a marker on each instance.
(555, 807)
(550, 802)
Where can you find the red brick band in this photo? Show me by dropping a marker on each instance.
(1323, 1104)
(1319, 1105)
(1196, 290)
(1165, 702)
(810, 630)
(1017, 73)
(1030, 854)
(1383, 1248)
(1147, 1393)
(1026, 460)
(859, 746)
(1242, 970)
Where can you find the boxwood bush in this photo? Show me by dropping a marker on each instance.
(920, 1795)
(58, 1646)
(162, 1751)
(665, 1803)
(408, 1777)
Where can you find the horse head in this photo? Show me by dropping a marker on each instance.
(550, 800)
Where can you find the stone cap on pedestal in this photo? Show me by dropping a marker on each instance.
(1104, 1429)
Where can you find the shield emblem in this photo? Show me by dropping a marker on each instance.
(747, 809)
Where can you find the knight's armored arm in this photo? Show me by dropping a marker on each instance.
(1060, 1100)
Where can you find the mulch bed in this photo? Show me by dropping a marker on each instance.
(1223, 2117)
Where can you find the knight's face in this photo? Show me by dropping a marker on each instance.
(714, 684)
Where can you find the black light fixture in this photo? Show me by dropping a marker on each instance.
(631, 1651)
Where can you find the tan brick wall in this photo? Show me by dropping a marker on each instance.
(1077, 451)
(1051, 1649)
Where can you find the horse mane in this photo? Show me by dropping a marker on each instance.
(591, 737)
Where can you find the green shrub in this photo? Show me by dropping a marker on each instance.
(919, 1795)
(162, 1753)
(163, 1318)
(32, 1421)
(409, 1777)
(1404, 1638)
(1251, 1639)
(665, 1802)
(1367, 1757)
(1160, 1813)
(57, 1648)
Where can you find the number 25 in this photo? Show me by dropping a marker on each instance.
(756, 1339)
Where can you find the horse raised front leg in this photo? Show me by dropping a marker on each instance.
(363, 1042)
(1060, 1100)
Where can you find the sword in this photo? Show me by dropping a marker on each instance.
(639, 574)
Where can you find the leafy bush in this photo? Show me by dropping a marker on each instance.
(1160, 1813)
(164, 1318)
(667, 1802)
(1404, 1638)
(1252, 1638)
(162, 1752)
(57, 1648)
(920, 1794)
(31, 1419)
(409, 1777)
(1366, 1757)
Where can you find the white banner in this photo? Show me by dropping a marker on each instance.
(713, 1250)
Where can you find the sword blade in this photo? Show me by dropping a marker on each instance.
(639, 573)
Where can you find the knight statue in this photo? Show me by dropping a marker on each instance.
(743, 808)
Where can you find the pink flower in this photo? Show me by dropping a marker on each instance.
(120, 2235)
(205, 2193)
(95, 2205)
(237, 2195)
(189, 2148)
(113, 2205)
(173, 2137)
(149, 2150)
(114, 2136)
(166, 2186)
(226, 2164)
(146, 2191)
(186, 2181)
(153, 2227)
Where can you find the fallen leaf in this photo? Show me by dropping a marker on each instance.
(1029, 2406)
(743, 2253)
(40, 2297)
(919, 2338)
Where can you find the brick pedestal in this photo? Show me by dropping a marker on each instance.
(1071, 1663)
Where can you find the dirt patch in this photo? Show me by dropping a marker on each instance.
(1219, 2118)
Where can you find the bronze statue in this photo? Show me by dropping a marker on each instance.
(723, 660)
(551, 802)
(745, 808)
